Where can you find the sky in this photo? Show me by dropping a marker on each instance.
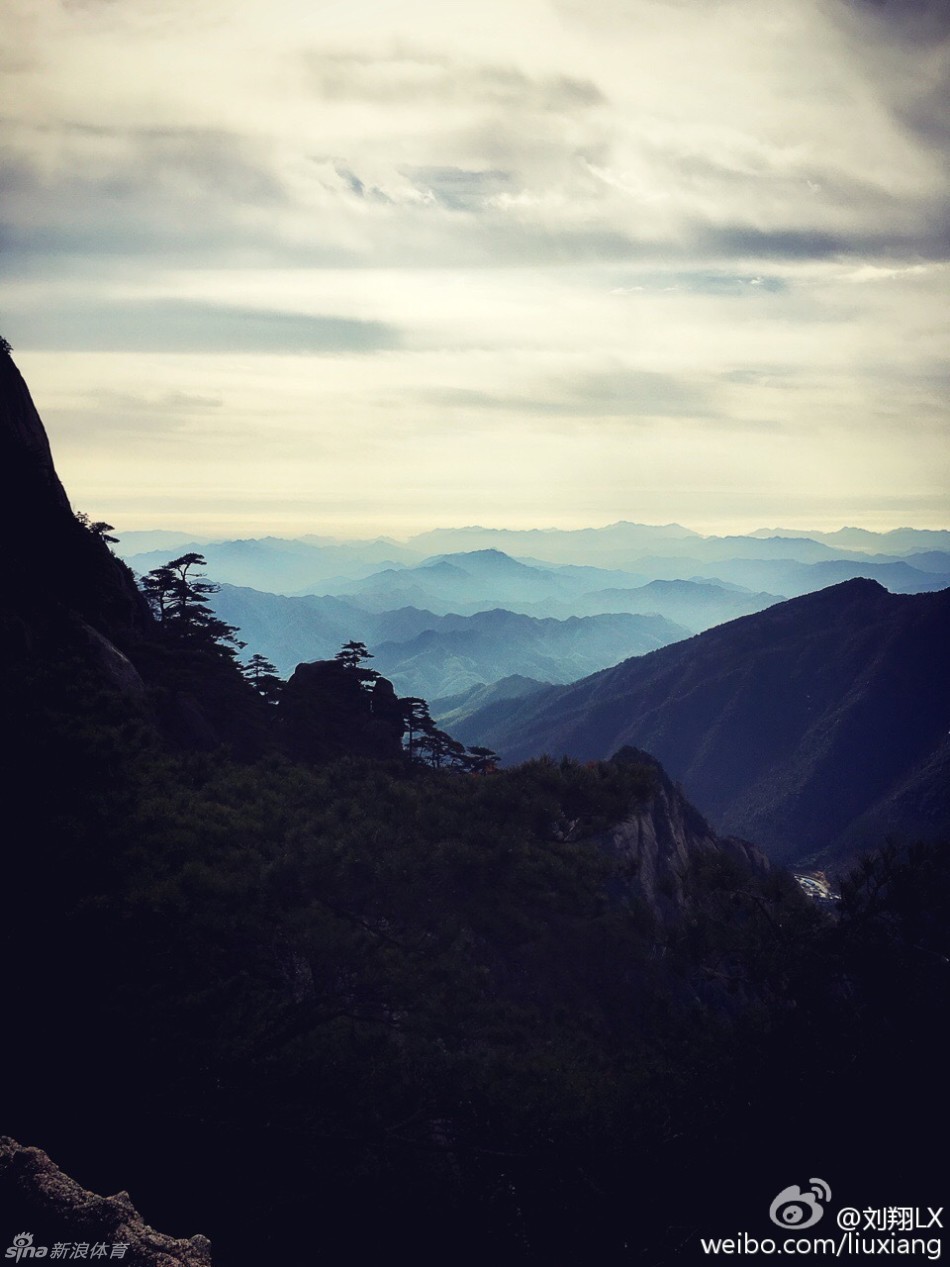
(375, 267)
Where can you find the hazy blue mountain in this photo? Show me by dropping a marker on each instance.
(455, 708)
(427, 654)
(607, 547)
(390, 589)
(791, 727)
(899, 578)
(712, 549)
(159, 539)
(585, 577)
(276, 564)
(723, 585)
(472, 581)
(382, 575)
(652, 556)
(789, 578)
(695, 605)
(624, 544)
(931, 561)
(895, 541)
(290, 631)
(465, 651)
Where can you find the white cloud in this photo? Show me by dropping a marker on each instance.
(540, 250)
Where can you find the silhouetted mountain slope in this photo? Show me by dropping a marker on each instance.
(52, 561)
(915, 807)
(787, 727)
(73, 621)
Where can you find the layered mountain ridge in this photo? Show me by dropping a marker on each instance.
(796, 727)
(292, 598)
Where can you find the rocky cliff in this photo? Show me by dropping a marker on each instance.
(55, 1210)
(664, 837)
(69, 599)
(55, 565)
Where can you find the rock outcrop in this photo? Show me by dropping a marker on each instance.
(328, 710)
(664, 836)
(54, 1209)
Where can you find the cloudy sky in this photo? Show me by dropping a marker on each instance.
(288, 266)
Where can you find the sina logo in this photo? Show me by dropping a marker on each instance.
(23, 1247)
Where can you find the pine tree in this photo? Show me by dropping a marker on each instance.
(98, 527)
(178, 594)
(415, 712)
(263, 676)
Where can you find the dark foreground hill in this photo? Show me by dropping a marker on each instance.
(811, 727)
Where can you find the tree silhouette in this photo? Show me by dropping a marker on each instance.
(350, 658)
(99, 527)
(416, 719)
(480, 760)
(438, 749)
(263, 676)
(426, 744)
(352, 654)
(178, 594)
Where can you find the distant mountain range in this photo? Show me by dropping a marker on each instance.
(811, 727)
(894, 541)
(637, 587)
(296, 563)
(789, 577)
(275, 564)
(427, 654)
(697, 605)
(466, 651)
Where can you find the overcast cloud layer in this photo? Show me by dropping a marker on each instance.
(379, 266)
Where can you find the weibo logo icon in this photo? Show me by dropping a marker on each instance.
(795, 1208)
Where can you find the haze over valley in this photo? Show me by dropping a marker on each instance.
(442, 623)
